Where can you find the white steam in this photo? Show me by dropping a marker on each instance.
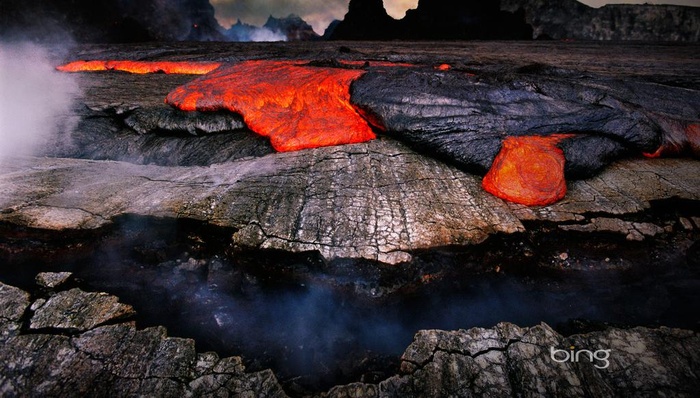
(264, 34)
(35, 100)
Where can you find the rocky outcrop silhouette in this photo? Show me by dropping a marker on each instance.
(293, 27)
(570, 19)
(445, 19)
(110, 21)
(431, 20)
(365, 20)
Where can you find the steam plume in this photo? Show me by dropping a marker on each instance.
(35, 100)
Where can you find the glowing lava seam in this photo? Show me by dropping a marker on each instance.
(142, 67)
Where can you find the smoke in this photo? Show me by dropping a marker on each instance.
(264, 34)
(318, 13)
(35, 99)
(245, 32)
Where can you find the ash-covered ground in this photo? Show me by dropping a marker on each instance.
(322, 264)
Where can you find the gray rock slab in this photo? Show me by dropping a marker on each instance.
(377, 200)
(52, 279)
(508, 360)
(14, 304)
(78, 310)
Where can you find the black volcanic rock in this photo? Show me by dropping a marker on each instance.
(109, 21)
(570, 19)
(113, 359)
(365, 20)
(446, 19)
(432, 20)
(292, 26)
(463, 119)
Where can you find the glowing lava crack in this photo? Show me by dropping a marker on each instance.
(142, 67)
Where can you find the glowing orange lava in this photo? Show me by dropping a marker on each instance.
(443, 67)
(142, 67)
(297, 106)
(528, 170)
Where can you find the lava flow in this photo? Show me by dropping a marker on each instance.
(528, 170)
(296, 106)
(301, 106)
(142, 67)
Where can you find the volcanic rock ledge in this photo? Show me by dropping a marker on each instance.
(112, 357)
(377, 200)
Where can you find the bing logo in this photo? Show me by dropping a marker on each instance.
(599, 358)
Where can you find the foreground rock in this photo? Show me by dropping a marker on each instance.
(511, 361)
(110, 360)
(121, 360)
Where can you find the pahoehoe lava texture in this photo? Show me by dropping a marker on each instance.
(463, 118)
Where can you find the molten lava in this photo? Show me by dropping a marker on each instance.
(528, 170)
(142, 67)
(296, 106)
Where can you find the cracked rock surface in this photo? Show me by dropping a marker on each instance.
(377, 200)
(77, 356)
(508, 360)
(120, 359)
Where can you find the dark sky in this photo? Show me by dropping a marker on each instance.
(319, 13)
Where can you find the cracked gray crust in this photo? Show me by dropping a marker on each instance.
(76, 354)
(377, 200)
(507, 360)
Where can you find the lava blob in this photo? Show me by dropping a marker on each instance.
(297, 106)
(528, 170)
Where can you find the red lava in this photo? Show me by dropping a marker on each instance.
(296, 106)
(528, 170)
(142, 67)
